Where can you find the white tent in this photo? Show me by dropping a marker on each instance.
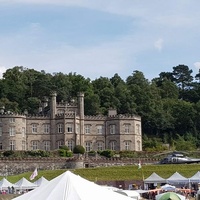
(181, 197)
(4, 184)
(41, 181)
(177, 178)
(69, 186)
(168, 187)
(154, 178)
(24, 184)
(130, 193)
(110, 188)
(195, 178)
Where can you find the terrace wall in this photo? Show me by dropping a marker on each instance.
(12, 166)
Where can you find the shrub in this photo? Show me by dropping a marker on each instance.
(62, 152)
(79, 149)
(64, 147)
(69, 154)
(9, 153)
(38, 153)
(108, 153)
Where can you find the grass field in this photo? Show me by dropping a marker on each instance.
(117, 173)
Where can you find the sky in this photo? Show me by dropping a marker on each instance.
(99, 38)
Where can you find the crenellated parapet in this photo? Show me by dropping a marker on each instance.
(125, 116)
(66, 115)
(66, 104)
(11, 114)
(95, 117)
(38, 116)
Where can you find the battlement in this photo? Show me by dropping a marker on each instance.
(11, 114)
(38, 116)
(95, 117)
(125, 116)
(66, 115)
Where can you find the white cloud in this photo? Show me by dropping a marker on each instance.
(159, 44)
(197, 65)
(2, 70)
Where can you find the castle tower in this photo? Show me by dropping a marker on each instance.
(80, 137)
(53, 105)
(53, 112)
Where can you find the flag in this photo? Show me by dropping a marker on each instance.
(34, 174)
(139, 165)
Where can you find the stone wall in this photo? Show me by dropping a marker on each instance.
(12, 166)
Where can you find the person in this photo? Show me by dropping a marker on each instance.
(9, 190)
(12, 190)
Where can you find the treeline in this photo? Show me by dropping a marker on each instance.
(169, 104)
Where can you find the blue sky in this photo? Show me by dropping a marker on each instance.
(100, 37)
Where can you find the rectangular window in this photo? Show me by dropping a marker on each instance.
(70, 145)
(100, 146)
(112, 145)
(23, 131)
(59, 143)
(46, 128)
(87, 129)
(12, 131)
(112, 129)
(47, 145)
(60, 128)
(12, 120)
(99, 129)
(12, 145)
(1, 130)
(34, 128)
(127, 145)
(23, 145)
(1, 146)
(127, 128)
(88, 146)
(34, 145)
(69, 128)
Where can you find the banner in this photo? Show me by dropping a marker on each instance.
(34, 174)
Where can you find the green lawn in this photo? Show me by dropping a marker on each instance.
(118, 173)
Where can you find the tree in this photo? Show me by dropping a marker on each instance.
(92, 104)
(182, 76)
(184, 115)
(168, 89)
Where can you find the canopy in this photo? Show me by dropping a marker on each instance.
(41, 181)
(130, 193)
(154, 178)
(168, 188)
(170, 196)
(4, 184)
(69, 186)
(177, 178)
(110, 188)
(195, 178)
(24, 184)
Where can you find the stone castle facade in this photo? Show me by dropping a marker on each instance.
(66, 124)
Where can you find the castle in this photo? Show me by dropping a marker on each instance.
(66, 124)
